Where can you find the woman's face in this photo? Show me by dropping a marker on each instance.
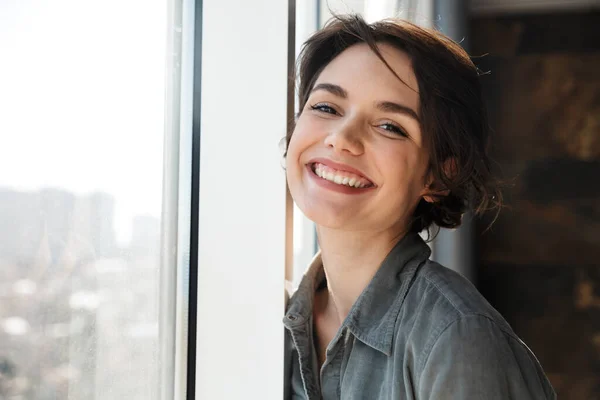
(356, 159)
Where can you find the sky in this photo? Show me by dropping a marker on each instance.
(82, 100)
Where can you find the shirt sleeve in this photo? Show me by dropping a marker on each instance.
(473, 358)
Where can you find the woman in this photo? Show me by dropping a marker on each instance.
(390, 139)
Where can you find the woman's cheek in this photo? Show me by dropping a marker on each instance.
(312, 127)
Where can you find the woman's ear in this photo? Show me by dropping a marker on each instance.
(432, 194)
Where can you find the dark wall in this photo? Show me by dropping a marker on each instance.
(540, 262)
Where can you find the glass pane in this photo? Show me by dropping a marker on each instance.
(82, 105)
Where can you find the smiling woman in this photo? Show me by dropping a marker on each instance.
(346, 123)
(391, 137)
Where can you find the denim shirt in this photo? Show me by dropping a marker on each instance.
(417, 331)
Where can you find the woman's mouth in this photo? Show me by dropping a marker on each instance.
(342, 178)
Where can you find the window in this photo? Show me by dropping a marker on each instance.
(81, 199)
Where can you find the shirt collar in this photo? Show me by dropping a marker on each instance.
(373, 316)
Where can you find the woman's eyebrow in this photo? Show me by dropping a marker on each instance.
(331, 88)
(385, 106)
(389, 106)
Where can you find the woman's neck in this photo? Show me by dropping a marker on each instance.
(350, 260)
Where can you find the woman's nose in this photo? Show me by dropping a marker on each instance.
(345, 138)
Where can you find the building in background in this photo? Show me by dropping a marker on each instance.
(79, 315)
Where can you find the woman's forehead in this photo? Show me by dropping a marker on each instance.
(360, 71)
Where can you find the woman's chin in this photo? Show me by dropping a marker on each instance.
(332, 219)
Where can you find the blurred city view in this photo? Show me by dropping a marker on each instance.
(82, 105)
(78, 312)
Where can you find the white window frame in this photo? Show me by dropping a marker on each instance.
(242, 199)
(177, 317)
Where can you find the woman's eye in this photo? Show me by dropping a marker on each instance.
(324, 108)
(394, 129)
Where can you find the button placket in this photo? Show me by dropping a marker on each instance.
(331, 370)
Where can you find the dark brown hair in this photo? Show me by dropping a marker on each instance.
(452, 111)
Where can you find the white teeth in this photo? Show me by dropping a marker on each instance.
(340, 180)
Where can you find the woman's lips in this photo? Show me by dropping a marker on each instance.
(339, 188)
(341, 168)
(340, 177)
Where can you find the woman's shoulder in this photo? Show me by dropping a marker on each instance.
(444, 296)
(456, 337)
